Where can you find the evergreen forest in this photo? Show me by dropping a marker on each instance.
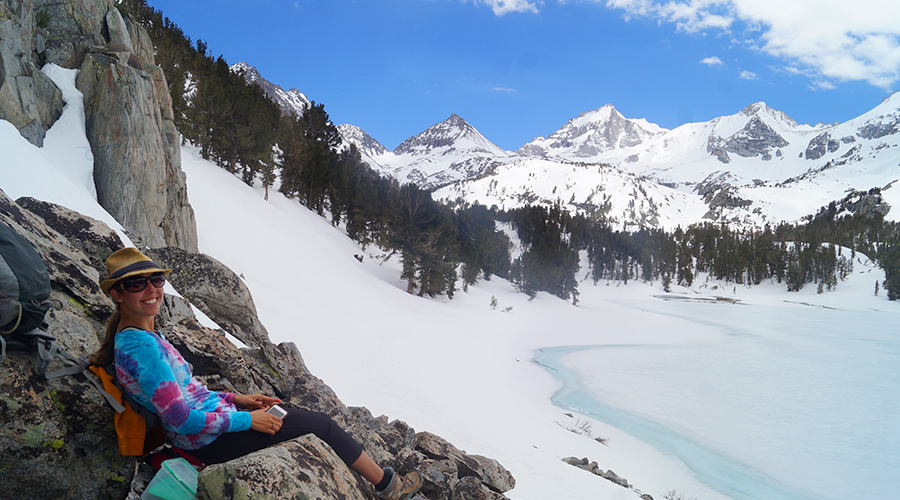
(235, 125)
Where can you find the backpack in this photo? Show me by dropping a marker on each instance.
(24, 301)
(137, 428)
(24, 293)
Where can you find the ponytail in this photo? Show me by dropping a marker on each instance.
(106, 355)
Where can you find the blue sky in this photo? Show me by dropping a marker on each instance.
(518, 69)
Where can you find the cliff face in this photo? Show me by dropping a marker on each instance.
(128, 111)
(28, 99)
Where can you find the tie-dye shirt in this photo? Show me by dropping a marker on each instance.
(152, 371)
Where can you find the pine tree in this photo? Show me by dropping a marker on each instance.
(425, 235)
(889, 261)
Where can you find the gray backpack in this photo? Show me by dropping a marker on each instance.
(24, 293)
(24, 301)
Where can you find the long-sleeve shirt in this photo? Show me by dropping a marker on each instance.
(156, 375)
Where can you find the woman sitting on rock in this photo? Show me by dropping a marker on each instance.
(208, 424)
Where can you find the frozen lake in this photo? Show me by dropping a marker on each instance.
(785, 401)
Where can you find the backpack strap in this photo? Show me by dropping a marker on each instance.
(88, 374)
(18, 320)
(42, 343)
(47, 349)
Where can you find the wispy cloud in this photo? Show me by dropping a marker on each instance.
(748, 75)
(504, 89)
(689, 15)
(837, 40)
(502, 7)
(711, 61)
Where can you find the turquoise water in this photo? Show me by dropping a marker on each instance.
(712, 467)
(760, 402)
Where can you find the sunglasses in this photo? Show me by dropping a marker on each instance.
(139, 283)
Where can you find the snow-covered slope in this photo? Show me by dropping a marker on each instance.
(623, 199)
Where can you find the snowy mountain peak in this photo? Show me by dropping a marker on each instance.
(251, 74)
(762, 110)
(453, 135)
(591, 134)
(290, 102)
(446, 152)
(365, 143)
(757, 131)
(755, 108)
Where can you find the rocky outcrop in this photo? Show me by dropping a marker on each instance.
(487, 471)
(28, 98)
(757, 138)
(128, 111)
(594, 468)
(56, 439)
(216, 290)
(303, 468)
(137, 153)
(72, 29)
(881, 126)
(820, 145)
(863, 204)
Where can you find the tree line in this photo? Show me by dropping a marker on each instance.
(442, 245)
(819, 250)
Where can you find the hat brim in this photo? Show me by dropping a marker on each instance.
(107, 285)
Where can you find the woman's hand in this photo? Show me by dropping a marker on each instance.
(264, 422)
(254, 401)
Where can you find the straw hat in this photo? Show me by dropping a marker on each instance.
(128, 262)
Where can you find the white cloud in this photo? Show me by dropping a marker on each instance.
(711, 61)
(504, 89)
(688, 15)
(502, 7)
(748, 75)
(836, 40)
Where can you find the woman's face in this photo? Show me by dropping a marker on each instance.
(139, 306)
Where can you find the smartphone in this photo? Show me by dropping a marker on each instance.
(277, 411)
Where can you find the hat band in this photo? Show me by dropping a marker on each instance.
(130, 268)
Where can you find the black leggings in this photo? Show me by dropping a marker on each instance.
(297, 423)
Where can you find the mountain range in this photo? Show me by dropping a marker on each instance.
(754, 167)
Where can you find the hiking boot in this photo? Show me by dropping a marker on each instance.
(402, 488)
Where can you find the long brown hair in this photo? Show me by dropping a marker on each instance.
(106, 355)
